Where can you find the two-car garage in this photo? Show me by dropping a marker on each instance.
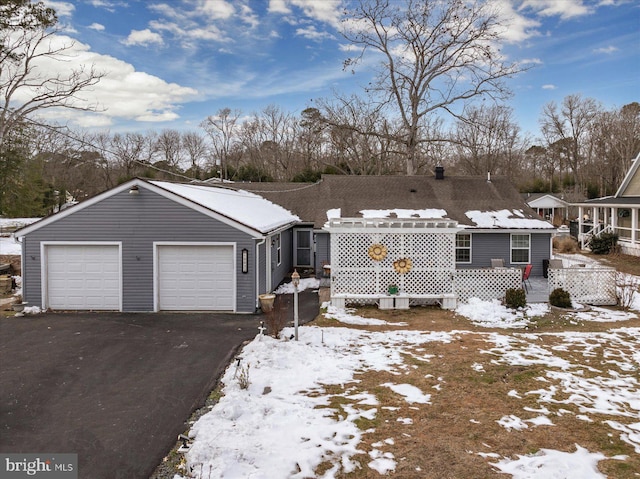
(187, 277)
(156, 246)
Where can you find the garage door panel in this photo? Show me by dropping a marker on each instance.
(83, 277)
(196, 277)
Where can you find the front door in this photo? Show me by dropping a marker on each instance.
(303, 246)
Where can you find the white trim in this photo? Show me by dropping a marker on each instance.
(44, 263)
(456, 248)
(311, 248)
(627, 178)
(156, 272)
(511, 249)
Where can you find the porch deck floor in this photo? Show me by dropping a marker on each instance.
(538, 290)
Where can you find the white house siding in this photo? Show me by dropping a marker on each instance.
(137, 221)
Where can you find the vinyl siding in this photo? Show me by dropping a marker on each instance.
(485, 246)
(138, 222)
(281, 271)
(323, 252)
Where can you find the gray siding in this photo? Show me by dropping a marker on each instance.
(280, 271)
(138, 221)
(485, 246)
(323, 251)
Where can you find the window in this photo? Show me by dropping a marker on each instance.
(279, 248)
(520, 249)
(463, 248)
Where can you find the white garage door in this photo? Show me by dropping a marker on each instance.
(196, 278)
(83, 277)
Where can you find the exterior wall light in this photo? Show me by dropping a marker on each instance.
(245, 260)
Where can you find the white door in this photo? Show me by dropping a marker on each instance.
(83, 277)
(196, 278)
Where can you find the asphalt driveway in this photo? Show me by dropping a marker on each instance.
(115, 388)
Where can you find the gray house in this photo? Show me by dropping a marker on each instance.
(152, 246)
(494, 221)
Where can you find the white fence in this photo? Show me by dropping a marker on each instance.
(586, 285)
(486, 284)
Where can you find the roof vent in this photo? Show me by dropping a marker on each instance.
(439, 173)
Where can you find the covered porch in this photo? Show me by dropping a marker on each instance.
(611, 215)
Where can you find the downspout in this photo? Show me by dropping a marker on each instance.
(258, 270)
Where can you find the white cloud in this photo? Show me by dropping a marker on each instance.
(123, 93)
(327, 11)
(143, 37)
(565, 9)
(96, 26)
(517, 27)
(530, 61)
(215, 9)
(549, 86)
(607, 50)
(63, 9)
(278, 6)
(311, 33)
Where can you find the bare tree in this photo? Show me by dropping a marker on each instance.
(130, 151)
(488, 140)
(27, 35)
(435, 55)
(27, 40)
(195, 148)
(169, 145)
(570, 124)
(222, 130)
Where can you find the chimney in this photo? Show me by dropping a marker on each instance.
(439, 173)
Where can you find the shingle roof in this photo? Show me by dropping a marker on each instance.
(457, 195)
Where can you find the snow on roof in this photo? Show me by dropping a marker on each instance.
(404, 213)
(242, 206)
(333, 213)
(506, 219)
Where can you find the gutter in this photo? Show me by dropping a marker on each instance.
(264, 239)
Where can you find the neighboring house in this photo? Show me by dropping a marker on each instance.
(548, 206)
(152, 245)
(618, 214)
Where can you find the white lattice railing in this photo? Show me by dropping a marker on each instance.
(354, 272)
(486, 284)
(586, 285)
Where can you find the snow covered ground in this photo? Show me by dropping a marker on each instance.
(275, 427)
(8, 245)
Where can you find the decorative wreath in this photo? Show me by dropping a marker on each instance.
(377, 252)
(403, 265)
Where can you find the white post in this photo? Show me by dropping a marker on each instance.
(295, 279)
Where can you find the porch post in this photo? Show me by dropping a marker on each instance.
(634, 225)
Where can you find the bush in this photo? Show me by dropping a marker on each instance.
(565, 244)
(604, 243)
(515, 298)
(276, 319)
(560, 298)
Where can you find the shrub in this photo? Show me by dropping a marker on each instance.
(276, 319)
(515, 298)
(565, 244)
(626, 288)
(604, 243)
(560, 298)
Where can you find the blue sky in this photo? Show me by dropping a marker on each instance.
(171, 63)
